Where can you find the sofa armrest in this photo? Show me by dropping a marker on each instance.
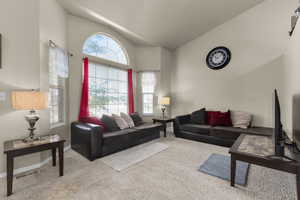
(86, 139)
(180, 120)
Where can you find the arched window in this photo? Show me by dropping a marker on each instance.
(105, 47)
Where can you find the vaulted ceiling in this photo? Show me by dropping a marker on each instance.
(169, 23)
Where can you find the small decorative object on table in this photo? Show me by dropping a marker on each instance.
(164, 122)
(30, 100)
(164, 102)
(15, 148)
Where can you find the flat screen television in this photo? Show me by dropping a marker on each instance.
(278, 132)
(296, 120)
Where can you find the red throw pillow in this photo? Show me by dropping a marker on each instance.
(224, 119)
(93, 120)
(213, 118)
(217, 118)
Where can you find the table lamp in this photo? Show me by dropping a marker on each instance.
(30, 100)
(164, 102)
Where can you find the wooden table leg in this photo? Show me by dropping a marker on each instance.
(233, 169)
(298, 182)
(9, 173)
(54, 157)
(61, 159)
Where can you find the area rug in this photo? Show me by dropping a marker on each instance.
(124, 159)
(219, 165)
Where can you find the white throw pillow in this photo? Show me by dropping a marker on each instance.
(128, 119)
(122, 124)
(240, 119)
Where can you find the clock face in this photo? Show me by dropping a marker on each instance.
(218, 58)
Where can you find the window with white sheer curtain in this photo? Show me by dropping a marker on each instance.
(58, 72)
(108, 90)
(148, 82)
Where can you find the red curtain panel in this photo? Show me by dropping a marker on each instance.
(130, 92)
(84, 104)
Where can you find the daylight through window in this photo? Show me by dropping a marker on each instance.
(105, 47)
(108, 91)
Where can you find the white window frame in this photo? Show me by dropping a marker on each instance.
(148, 93)
(110, 63)
(99, 61)
(61, 111)
(61, 85)
(104, 60)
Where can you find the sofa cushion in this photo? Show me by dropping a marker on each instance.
(213, 118)
(119, 133)
(226, 132)
(122, 124)
(128, 119)
(136, 119)
(241, 119)
(196, 128)
(199, 116)
(110, 123)
(258, 131)
(224, 119)
(148, 126)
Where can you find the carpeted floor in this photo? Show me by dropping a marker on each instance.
(171, 174)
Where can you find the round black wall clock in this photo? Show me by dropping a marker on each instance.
(218, 58)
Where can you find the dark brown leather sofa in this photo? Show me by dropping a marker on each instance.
(219, 135)
(90, 141)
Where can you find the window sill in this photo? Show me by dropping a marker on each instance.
(148, 115)
(53, 126)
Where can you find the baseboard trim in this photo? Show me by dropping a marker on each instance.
(32, 167)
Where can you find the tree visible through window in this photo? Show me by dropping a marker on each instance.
(105, 47)
(108, 90)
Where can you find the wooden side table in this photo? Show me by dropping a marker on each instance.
(258, 150)
(164, 122)
(15, 148)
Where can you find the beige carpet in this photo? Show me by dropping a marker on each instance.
(129, 157)
(169, 175)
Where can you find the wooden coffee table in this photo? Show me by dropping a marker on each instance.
(15, 148)
(259, 150)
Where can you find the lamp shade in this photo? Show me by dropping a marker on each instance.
(29, 100)
(165, 101)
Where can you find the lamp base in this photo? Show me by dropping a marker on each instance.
(30, 139)
(31, 118)
(163, 109)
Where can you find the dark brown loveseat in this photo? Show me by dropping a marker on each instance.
(90, 141)
(219, 135)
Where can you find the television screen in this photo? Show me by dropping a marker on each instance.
(296, 120)
(278, 133)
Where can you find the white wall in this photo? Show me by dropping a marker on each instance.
(79, 30)
(159, 60)
(290, 99)
(20, 61)
(257, 39)
(148, 58)
(25, 27)
(53, 26)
